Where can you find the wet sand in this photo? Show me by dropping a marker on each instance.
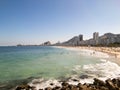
(112, 51)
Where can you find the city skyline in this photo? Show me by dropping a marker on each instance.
(34, 22)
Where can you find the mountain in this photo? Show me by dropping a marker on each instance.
(104, 40)
(74, 41)
(109, 38)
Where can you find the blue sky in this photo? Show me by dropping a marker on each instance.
(36, 21)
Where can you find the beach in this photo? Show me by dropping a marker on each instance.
(111, 51)
(114, 51)
(54, 66)
(60, 45)
(109, 69)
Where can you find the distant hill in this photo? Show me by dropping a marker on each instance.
(48, 43)
(74, 41)
(108, 39)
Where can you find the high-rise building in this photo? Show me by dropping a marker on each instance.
(80, 37)
(95, 35)
(96, 38)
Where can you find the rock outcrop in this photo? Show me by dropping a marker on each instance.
(24, 87)
(47, 43)
(109, 84)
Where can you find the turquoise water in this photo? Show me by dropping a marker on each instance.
(24, 64)
(37, 61)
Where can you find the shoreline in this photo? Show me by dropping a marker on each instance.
(111, 51)
(109, 84)
(75, 82)
(56, 85)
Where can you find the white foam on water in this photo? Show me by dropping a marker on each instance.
(104, 70)
(93, 53)
(89, 80)
(87, 52)
(42, 84)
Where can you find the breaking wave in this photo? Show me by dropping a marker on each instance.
(104, 70)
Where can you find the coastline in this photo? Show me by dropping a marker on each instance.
(111, 51)
(75, 81)
(82, 83)
(109, 84)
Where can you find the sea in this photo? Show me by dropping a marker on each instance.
(39, 66)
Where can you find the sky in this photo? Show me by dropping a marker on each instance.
(37, 21)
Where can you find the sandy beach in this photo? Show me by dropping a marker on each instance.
(111, 51)
(107, 71)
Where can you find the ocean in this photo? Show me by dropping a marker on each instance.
(46, 64)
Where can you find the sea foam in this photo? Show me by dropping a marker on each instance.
(104, 70)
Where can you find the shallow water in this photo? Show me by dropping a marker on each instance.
(19, 63)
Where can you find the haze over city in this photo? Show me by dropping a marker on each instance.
(36, 21)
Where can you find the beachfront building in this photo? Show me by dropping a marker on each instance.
(104, 40)
(96, 37)
(75, 41)
(80, 37)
